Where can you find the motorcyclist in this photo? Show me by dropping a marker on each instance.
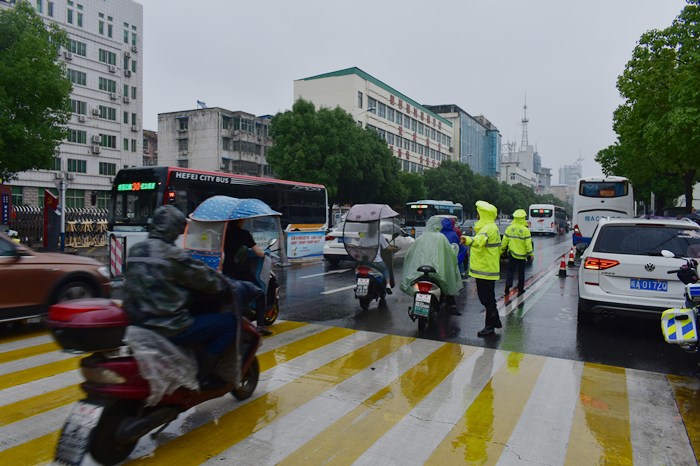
(434, 249)
(160, 280)
(236, 237)
(373, 237)
(484, 262)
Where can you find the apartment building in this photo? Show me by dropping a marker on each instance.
(215, 139)
(150, 148)
(420, 138)
(104, 62)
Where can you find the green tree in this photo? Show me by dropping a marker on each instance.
(34, 91)
(658, 125)
(449, 182)
(414, 186)
(327, 147)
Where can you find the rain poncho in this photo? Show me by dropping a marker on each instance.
(160, 277)
(517, 238)
(432, 248)
(484, 261)
(448, 229)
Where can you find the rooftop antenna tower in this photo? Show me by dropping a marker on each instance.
(524, 143)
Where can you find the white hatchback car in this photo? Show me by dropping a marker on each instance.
(334, 249)
(623, 273)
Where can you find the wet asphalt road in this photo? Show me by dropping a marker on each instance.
(542, 322)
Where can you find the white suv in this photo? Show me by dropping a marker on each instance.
(623, 273)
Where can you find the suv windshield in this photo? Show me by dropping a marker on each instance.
(648, 240)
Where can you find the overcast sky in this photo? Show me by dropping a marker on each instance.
(481, 55)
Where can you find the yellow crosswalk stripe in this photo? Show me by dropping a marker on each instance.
(197, 446)
(600, 433)
(28, 352)
(39, 404)
(482, 433)
(346, 440)
(37, 452)
(686, 393)
(286, 326)
(298, 348)
(39, 372)
(24, 336)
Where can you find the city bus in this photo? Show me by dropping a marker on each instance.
(417, 213)
(546, 219)
(137, 192)
(598, 197)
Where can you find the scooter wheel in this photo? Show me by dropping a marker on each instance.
(364, 303)
(422, 323)
(271, 316)
(249, 381)
(102, 446)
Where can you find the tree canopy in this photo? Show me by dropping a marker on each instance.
(34, 91)
(326, 146)
(658, 125)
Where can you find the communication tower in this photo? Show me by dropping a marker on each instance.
(524, 143)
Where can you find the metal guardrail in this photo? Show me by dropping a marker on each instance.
(84, 227)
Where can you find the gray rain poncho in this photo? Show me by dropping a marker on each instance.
(432, 248)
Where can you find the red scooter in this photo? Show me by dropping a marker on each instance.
(114, 416)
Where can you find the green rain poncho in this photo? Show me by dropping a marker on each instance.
(432, 248)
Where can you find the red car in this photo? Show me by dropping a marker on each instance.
(31, 281)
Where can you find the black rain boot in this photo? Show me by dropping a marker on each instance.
(206, 377)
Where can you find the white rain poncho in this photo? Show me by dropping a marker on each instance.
(434, 249)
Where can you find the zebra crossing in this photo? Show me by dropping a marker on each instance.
(339, 396)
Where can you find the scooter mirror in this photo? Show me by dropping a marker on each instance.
(272, 242)
(394, 236)
(667, 253)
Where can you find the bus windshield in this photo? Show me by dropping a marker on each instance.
(417, 215)
(133, 204)
(603, 188)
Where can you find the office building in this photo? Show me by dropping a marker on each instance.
(420, 138)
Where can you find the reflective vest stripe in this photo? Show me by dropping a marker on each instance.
(517, 256)
(493, 245)
(488, 274)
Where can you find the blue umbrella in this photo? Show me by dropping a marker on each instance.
(223, 208)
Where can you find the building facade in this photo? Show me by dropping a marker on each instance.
(150, 148)
(215, 139)
(420, 138)
(105, 64)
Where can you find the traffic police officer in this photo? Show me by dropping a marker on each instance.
(518, 243)
(484, 263)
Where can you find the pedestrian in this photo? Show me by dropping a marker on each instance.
(484, 262)
(517, 243)
(461, 255)
(448, 230)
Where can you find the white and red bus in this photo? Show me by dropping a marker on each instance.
(547, 219)
(600, 197)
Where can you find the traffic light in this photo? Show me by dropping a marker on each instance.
(93, 198)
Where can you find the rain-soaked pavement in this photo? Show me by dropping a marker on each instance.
(345, 386)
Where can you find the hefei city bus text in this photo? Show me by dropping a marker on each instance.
(547, 219)
(418, 213)
(138, 192)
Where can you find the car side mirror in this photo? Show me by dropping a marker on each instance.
(580, 247)
(667, 253)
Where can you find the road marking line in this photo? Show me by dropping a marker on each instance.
(28, 352)
(685, 391)
(39, 404)
(600, 433)
(39, 451)
(32, 334)
(483, 431)
(198, 445)
(354, 433)
(38, 372)
(527, 301)
(298, 348)
(25, 343)
(338, 289)
(325, 273)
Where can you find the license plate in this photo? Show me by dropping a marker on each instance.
(421, 309)
(341, 240)
(75, 437)
(648, 285)
(362, 286)
(423, 298)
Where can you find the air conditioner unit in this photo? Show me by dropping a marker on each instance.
(113, 96)
(112, 69)
(96, 149)
(95, 111)
(182, 130)
(259, 138)
(82, 118)
(126, 100)
(183, 153)
(95, 139)
(127, 73)
(134, 128)
(134, 48)
(69, 55)
(127, 54)
(451, 149)
(59, 176)
(70, 176)
(223, 166)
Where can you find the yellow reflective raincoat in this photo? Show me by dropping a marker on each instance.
(484, 258)
(517, 239)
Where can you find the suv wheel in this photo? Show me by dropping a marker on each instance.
(584, 318)
(74, 290)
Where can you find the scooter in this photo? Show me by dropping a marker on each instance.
(370, 285)
(261, 268)
(114, 416)
(680, 326)
(428, 298)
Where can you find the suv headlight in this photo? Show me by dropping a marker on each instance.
(104, 271)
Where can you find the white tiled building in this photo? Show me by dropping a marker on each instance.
(105, 63)
(420, 138)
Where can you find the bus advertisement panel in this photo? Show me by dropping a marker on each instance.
(599, 197)
(547, 219)
(418, 213)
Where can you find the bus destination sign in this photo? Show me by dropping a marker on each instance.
(136, 186)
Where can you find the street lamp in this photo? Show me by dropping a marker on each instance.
(363, 111)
